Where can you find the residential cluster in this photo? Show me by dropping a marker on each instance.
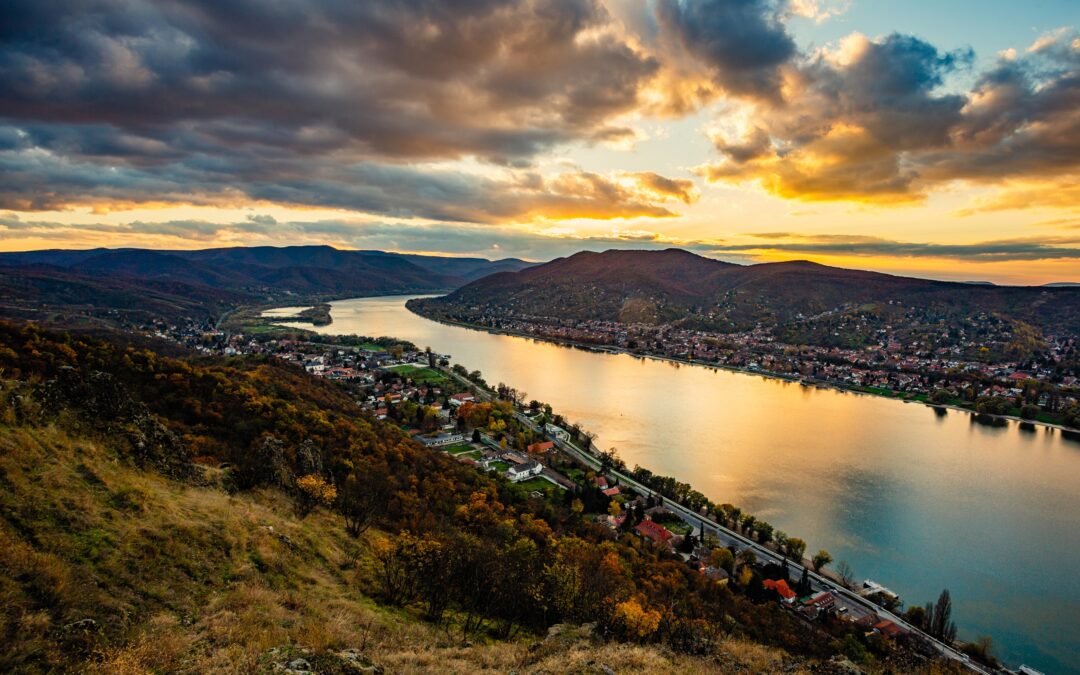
(983, 364)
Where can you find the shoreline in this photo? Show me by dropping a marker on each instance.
(607, 349)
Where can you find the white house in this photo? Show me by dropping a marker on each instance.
(520, 472)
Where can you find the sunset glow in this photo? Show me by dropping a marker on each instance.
(754, 130)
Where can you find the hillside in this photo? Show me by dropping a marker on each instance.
(106, 285)
(172, 515)
(655, 287)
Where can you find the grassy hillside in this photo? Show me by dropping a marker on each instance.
(155, 516)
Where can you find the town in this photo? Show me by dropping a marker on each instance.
(984, 366)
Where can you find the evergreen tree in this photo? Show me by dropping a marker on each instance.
(803, 588)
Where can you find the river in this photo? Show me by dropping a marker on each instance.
(914, 498)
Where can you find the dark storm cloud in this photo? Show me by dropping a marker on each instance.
(302, 102)
(744, 42)
(502, 80)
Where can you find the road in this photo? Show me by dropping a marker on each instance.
(857, 605)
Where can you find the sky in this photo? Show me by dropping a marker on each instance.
(933, 139)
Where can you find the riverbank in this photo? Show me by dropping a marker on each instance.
(589, 455)
(787, 377)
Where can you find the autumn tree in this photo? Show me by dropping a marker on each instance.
(795, 549)
(820, 560)
(313, 491)
(634, 622)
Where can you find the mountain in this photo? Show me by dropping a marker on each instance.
(674, 285)
(57, 295)
(170, 284)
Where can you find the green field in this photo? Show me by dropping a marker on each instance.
(536, 484)
(460, 448)
(419, 374)
(499, 466)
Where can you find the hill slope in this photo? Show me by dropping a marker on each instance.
(103, 285)
(674, 285)
(151, 521)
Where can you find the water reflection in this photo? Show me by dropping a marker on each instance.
(917, 497)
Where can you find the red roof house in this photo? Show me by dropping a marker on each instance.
(541, 447)
(781, 587)
(654, 531)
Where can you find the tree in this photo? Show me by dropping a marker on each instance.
(313, 491)
(820, 560)
(722, 558)
(803, 588)
(764, 531)
(747, 557)
(939, 618)
(846, 574)
(475, 435)
(916, 616)
(796, 548)
(361, 501)
(614, 509)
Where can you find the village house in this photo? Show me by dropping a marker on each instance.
(781, 587)
(655, 532)
(541, 448)
(520, 472)
(459, 399)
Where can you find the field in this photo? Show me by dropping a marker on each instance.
(540, 484)
(460, 448)
(420, 374)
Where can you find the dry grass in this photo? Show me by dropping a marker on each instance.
(185, 579)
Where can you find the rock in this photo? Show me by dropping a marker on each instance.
(81, 625)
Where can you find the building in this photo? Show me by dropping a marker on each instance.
(442, 439)
(557, 432)
(655, 532)
(541, 448)
(887, 628)
(781, 587)
(520, 472)
(463, 397)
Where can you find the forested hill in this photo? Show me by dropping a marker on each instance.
(165, 514)
(105, 284)
(678, 286)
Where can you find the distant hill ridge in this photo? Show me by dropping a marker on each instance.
(674, 285)
(145, 282)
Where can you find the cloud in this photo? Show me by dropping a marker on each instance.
(36, 180)
(445, 111)
(498, 79)
(744, 43)
(476, 240)
(869, 121)
(819, 11)
(1046, 248)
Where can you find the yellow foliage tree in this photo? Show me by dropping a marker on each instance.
(636, 622)
(313, 492)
